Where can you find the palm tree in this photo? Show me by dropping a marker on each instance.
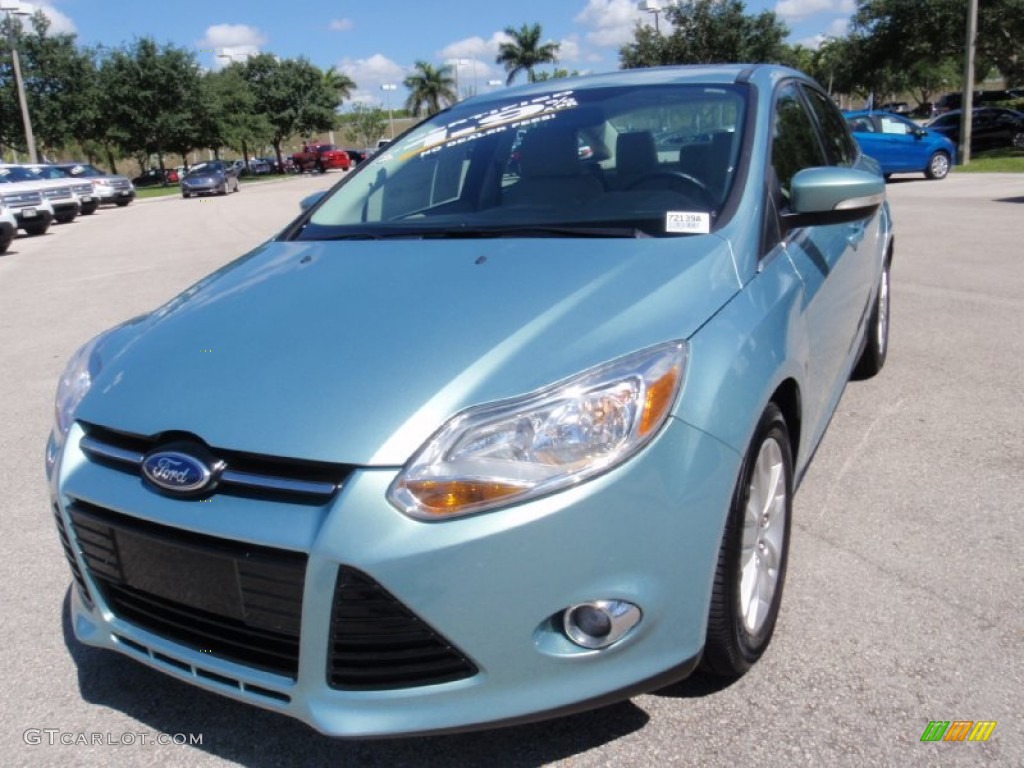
(525, 52)
(434, 88)
(339, 84)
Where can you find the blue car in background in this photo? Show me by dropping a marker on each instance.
(496, 429)
(901, 145)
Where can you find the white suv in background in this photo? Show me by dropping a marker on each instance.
(82, 189)
(65, 204)
(113, 189)
(32, 212)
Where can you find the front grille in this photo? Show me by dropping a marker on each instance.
(83, 189)
(22, 199)
(57, 193)
(65, 543)
(119, 183)
(377, 643)
(233, 600)
(241, 474)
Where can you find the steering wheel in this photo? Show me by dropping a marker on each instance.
(675, 180)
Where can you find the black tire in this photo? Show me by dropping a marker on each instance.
(5, 243)
(876, 346)
(36, 229)
(122, 203)
(1018, 140)
(738, 635)
(65, 218)
(186, 195)
(938, 166)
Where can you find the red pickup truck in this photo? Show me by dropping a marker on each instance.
(321, 157)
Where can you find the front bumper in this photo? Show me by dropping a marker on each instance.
(204, 187)
(490, 587)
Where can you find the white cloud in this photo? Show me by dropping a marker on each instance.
(234, 41)
(341, 25)
(801, 9)
(370, 74)
(474, 47)
(569, 49)
(60, 23)
(838, 28)
(610, 22)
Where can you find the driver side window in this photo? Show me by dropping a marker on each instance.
(795, 144)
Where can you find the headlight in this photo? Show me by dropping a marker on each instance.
(75, 382)
(559, 436)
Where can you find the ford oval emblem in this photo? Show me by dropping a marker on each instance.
(175, 471)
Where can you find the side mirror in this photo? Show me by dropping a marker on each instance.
(828, 195)
(310, 200)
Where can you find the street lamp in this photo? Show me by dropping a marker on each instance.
(651, 6)
(388, 88)
(16, 8)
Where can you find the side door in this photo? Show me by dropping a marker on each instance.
(833, 273)
(904, 149)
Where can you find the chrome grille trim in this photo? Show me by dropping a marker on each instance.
(130, 460)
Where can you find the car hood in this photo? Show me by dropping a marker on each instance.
(356, 352)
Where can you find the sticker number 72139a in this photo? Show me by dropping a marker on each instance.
(691, 222)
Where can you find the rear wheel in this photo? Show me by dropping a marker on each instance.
(876, 347)
(752, 559)
(938, 166)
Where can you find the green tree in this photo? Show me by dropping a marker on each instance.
(291, 95)
(338, 83)
(152, 100)
(525, 51)
(904, 34)
(429, 87)
(57, 77)
(365, 125)
(240, 124)
(708, 32)
(555, 74)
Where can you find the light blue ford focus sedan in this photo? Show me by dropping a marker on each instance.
(497, 429)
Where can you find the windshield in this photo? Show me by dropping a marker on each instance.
(46, 172)
(82, 169)
(15, 173)
(205, 169)
(615, 161)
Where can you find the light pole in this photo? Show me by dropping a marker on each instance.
(388, 88)
(651, 6)
(16, 8)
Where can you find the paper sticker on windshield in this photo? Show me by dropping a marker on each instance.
(687, 222)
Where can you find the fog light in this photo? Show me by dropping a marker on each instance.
(599, 623)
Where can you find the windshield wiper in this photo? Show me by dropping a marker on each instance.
(458, 233)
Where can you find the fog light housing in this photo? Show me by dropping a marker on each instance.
(599, 623)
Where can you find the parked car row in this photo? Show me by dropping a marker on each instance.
(32, 197)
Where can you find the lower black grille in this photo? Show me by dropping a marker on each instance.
(237, 601)
(65, 543)
(377, 643)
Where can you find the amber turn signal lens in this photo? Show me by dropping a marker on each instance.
(658, 400)
(442, 497)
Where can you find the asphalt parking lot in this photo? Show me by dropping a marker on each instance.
(903, 601)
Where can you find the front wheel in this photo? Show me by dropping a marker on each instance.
(938, 166)
(752, 558)
(876, 347)
(34, 230)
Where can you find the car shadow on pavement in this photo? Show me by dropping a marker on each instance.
(256, 737)
(1009, 200)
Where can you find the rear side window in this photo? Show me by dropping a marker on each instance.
(840, 145)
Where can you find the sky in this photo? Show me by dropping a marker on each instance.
(379, 43)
